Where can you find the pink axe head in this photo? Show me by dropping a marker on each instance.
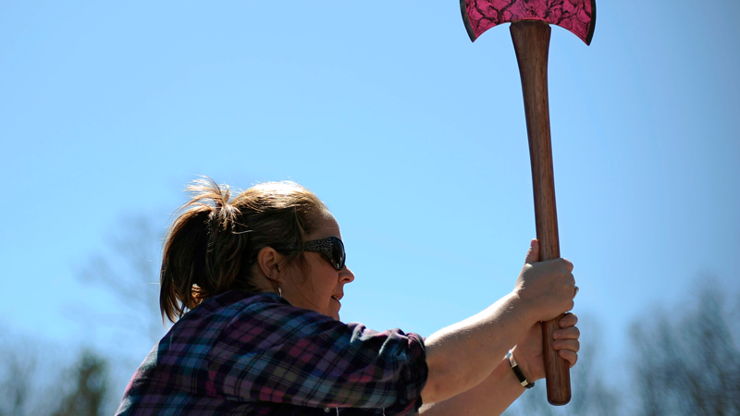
(577, 16)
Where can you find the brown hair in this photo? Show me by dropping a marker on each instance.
(209, 248)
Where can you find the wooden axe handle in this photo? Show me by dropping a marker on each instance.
(531, 43)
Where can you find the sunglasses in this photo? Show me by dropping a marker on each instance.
(331, 247)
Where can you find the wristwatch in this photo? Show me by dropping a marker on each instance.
(517, 371)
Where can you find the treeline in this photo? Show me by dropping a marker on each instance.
(34, 382)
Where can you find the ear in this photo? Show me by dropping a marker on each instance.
(270, 261)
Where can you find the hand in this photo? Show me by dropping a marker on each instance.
(528, 352)
(547, 288)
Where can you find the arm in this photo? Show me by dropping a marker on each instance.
(490, 397)
(461, 356)
(496, 393)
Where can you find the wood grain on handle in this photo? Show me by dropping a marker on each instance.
(531, 43)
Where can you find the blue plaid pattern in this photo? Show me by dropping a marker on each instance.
(242, 353)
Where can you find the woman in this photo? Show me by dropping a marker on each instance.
(254, 286)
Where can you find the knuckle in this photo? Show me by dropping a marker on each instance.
(567, 264)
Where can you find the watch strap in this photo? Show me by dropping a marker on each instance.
(517, 371)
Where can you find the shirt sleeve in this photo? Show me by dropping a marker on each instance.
(279, 353)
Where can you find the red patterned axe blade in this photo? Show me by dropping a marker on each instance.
(577, 16)
(530, 31)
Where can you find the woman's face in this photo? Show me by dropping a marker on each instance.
(322, 286)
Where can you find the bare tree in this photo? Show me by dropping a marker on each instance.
(128, 269)
(687, 360)
(30, 375)
(33, 377)
(88, 394)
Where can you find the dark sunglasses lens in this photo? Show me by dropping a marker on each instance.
(337, 253)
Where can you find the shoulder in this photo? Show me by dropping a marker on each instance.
(266, 321)
(272, 351)
(263, 320)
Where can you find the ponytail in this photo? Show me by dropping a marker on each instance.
(209, 246)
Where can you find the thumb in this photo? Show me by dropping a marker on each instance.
(533, 255)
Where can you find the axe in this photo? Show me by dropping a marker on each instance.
(530, 31)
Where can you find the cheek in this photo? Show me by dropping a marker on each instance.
(328, 287)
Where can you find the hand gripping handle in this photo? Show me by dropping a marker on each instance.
(531, 43)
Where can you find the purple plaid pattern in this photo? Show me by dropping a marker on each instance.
(242, 353)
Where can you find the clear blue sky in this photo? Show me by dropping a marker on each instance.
(413, 136)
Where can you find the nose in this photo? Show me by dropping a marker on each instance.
(346, 275)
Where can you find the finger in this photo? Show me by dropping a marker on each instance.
(566, 345)
(533, 255)
(570, 332)
(569, 319)
(569, 356)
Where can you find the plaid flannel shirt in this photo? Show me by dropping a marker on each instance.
(242, 353)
